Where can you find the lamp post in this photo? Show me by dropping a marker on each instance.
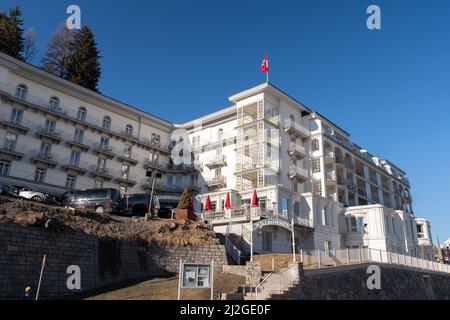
(153, 176)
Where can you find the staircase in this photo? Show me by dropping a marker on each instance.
(275, 283)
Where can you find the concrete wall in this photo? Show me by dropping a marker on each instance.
(349, 283)
(101, 262)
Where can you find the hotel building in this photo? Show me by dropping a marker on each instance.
(58, 136)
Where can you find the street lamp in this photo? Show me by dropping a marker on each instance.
(153, 176)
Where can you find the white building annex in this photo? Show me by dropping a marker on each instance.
(57, 136)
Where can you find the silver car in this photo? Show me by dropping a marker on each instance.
(27, 193)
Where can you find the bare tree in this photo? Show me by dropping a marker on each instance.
(58, 54)
(29, 45)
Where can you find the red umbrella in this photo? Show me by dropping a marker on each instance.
(255, 199)
(228, 202)
(208, 206)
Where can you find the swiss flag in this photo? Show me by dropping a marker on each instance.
(265, 65)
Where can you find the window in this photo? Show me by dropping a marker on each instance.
(393, 225)
(220, 135)
(123, 191)
(328, 247)
(316, 165)
(386, 219)
(129, 130)
(49, 126)
(39, 175)
(125, 171)
(4, 167)
(78, 135)
(75, 158)
(21, 92)
(44, 151)
(351, 224)
(360, 224)
(315, 145)
(317, 187)
(10, 141)
(296, 208)
(71, 182)
(107, 123)
(53, 103)
(420, 233)
(101, 164)
(16, 116)
(127, 151)
(179, 181)
(325, 218)
(285, 206)
(104, 142)
(169, 181)
(196, 142)
(82, 113)
(98, 183)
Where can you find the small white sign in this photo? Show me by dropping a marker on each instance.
(196, 276)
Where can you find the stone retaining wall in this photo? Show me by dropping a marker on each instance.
(101, 262)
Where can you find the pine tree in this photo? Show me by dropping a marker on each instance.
(11, 33)
(59, 51)
(84, 65)
(185, 200)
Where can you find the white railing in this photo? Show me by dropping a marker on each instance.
(314, 259)
(278, 282)
(291, 125)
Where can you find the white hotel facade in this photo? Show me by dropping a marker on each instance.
(57, 136)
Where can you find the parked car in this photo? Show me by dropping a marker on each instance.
(105, 200)
(27, 193)
(9, 191)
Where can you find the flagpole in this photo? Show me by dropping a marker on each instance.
(267, 76)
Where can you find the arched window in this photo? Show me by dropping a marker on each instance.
(107, 123)
(129, 130)
(53, 103)
(292, 118)
(21, 92)
(81, 115)
(315, 145)
(158, 140)
(220, 135)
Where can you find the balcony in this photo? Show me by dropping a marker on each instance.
(296, 129)
(161, 187)
(331, 177)
(297, 151)
(298, 174)
(216, 162)
(329, 157)
(126, 180)
(216, 182)
(75, 168)
(340, 162)
(105, 150)
(149, 165)
(341, 181)
(129, 158)
(45, 159)
(79, 145)
(101, 173)
(52, 135)
(11, 153)
(351, 185)
(14, 125)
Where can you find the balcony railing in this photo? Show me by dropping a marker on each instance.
(296, 129)
(297, 151)
(105, 150)
(46, 159)
(102, 173)
(162, 187)
(216, 182)
(78, 168)
(129, 158)
(51, 134)
(11, 150)
(72, 115)
(341, 180)
(299, 174)
(216, 162)
(126, 179)
(331, 176)
(78, 144)
(18, 125)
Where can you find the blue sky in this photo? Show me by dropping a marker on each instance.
(388, 88)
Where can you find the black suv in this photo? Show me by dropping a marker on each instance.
(136, 204)
(101, 200)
